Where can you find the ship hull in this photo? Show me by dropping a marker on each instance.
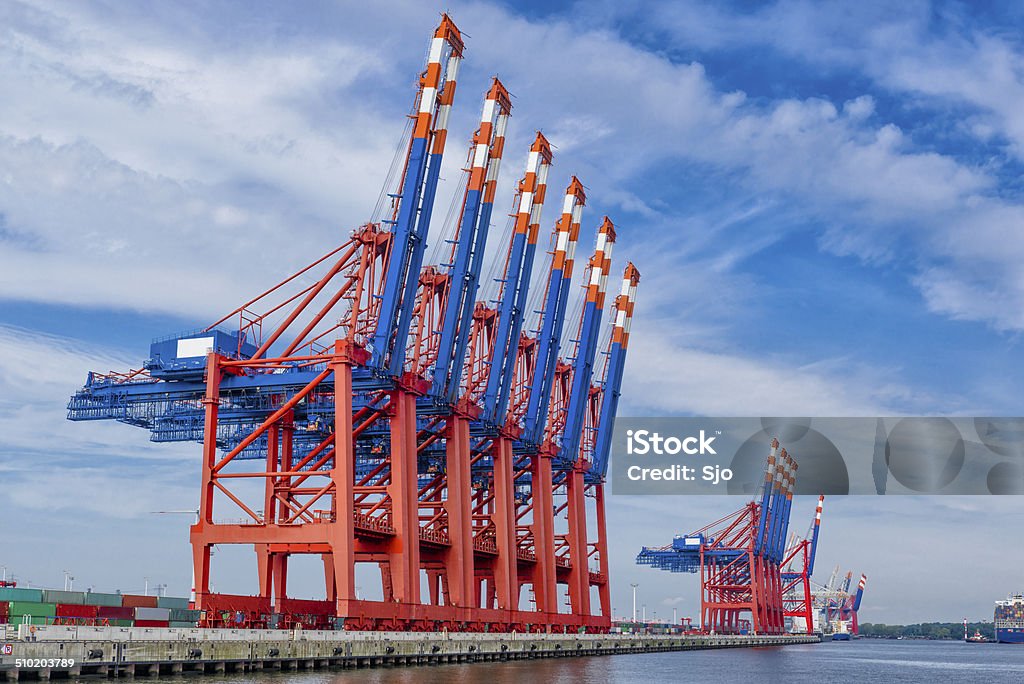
(1010, 636)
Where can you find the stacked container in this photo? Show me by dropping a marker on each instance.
(152, 617)
(18, 594)
(73, 613)
(31, 612)
(52, 606)
(93, 598)
(118, 616)
(135, 601)
(183, 617)
(68, 597)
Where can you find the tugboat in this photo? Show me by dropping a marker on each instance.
(978, 637)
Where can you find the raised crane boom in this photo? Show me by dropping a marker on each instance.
(567, 232)
(586, 345)
(516, 281)
(476, 259)
(411, 216)
(814, 535)
(622, 318)
(463, 280)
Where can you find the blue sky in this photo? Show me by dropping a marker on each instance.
(823, 199)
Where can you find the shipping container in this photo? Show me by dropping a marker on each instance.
(172, 602)
(152, 614)
(19, 608)
(133, 601)
(19, 594)
(115, 612)
(3, 611)
(93, 598)
(151, 623)
(72, 610)
(30, 620)
(181, 623)
(57, 596)
(178, 615)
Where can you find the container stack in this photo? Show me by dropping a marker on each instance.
(53, 607)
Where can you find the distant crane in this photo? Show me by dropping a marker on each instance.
(739, 556)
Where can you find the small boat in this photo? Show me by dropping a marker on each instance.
(977, 638)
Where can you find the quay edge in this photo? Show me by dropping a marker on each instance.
(120, 652)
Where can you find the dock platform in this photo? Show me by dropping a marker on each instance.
(71, 652)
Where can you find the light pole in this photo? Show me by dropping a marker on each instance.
(674, 620)
(645, 613)
(145, 591)
(634, 601)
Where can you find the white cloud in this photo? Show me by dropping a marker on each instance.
(871, 184)
(38, 374)
(232, 164)
(667, 377)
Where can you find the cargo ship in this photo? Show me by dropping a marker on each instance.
(1009, 620)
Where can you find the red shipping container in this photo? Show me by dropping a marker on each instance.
(152, 623)
(131, 601)
(114, 612)
(4, 610)
(76, 611)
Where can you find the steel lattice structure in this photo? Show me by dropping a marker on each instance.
(739, 557)
(797, 569)
(390, 416)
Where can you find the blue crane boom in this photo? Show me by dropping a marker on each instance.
(622, 317)
(553, 314)
(409, 226)
(477, 256)
(814, 535)
(516, 282)
(463, 280)
(586, 345)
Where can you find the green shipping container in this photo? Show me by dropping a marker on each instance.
(93, 598)
(19, 608)
(172, 602)
(56, 596)
(178, 615)
(181, 623)
(18, 594)
(31, 620)
(120, 623)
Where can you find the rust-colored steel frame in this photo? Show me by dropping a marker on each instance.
(465, 541)
(474, 527)
(796, 586)
(740, 581)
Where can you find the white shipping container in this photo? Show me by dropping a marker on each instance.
(152, 613)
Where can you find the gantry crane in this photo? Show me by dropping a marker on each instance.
(739, 557)
(372, 409)
(797, 569)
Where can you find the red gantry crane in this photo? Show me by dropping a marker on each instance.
(738, 557)
(373, 411)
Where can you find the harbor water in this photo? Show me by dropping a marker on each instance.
(864, 660)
